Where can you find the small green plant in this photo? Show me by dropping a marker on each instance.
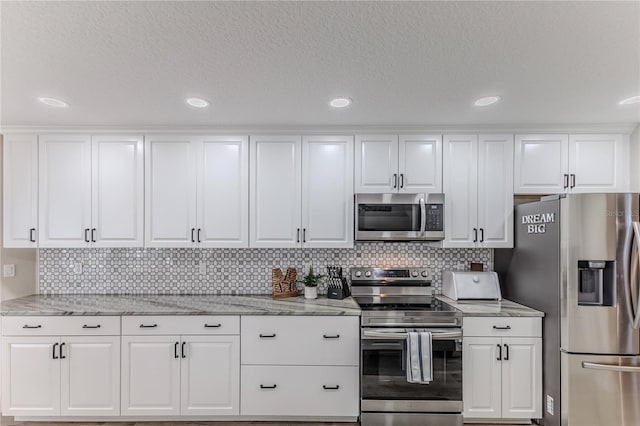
(311, 279)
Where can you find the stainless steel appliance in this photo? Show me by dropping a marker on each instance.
(576, 258)
(399, 217)
(393, 302)
(472, 285)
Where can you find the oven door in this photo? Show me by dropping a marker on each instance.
(384, 385)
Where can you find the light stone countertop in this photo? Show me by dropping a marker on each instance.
(93, 304)
(490, 308)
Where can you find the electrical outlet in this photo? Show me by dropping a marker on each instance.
(549, 404)
(202, 268)
(77, 268)
(9, 270)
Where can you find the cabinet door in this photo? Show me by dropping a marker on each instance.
(223, 191)
(275, 191)
(20, 190)
(481, 377)
(170, 191)
(541, 164)
(521, 378)
(210, 372)
(30, 376)
(596, 163)
(90, 379)
(327, 191)
(495, 192)
(376, 163)
(117, 191)
(64, 191)
(461, 190)
(150, 380)
(420, 163)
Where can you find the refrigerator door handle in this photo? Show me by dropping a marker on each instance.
(634, 265)
(626, 271)
(611, 367)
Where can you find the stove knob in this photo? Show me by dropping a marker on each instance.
(424, 274)
(367, 274)
(358, 274)
(414, 273)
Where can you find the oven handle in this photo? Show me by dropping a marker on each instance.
(416, 325)
(449, 335)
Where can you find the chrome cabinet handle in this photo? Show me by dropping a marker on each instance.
(328, 336)
(61, 355)
(148, 326)
(175, 350)
(573, 180)
(93, 235)
(32, 235)
(499, 352)
(267, 336)
(268, 386)
(566, 181)
(610, 367)
(86, 235)
(91, 326)
(212, 325)
(506, 349)
(401, 180)
(32, 326)
(506, 327)
(395, 180)
(54, 350)
(325, 387)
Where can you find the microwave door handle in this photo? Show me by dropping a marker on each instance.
(634, 265)
(423, 213)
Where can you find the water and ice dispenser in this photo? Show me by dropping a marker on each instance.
(596, 282)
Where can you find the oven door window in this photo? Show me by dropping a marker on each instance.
(384, 374)
(389, 217)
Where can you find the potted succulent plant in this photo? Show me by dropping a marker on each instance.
(311, 282)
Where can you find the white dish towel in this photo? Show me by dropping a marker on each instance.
(419, 364)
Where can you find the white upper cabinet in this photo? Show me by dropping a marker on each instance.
(170, 194)
(553, 164)
(410, 163)
(596, 163)
(478, 172)
(327, 191)
(64, 191)
(117, 191)
(20, 190)
(275, 191)
(223, 191)
(301, 191)
(420, 163)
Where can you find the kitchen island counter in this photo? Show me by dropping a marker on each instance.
(93, 304)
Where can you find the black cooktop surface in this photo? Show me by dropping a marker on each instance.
(379, 304)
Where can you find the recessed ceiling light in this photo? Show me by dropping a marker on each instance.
(629, 101)
(197, 102)
(340, 102)
(488, 100)
(53, 102)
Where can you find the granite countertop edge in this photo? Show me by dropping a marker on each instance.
(492, 308)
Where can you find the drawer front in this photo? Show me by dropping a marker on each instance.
(300, 340)
(61, 326)
(502, 326)
(146, 325)
(299, 391)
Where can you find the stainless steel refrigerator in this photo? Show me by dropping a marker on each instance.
(576, 258)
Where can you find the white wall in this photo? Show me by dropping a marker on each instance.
(634, 165)
(25, 261)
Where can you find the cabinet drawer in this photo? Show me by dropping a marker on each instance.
(299, 391)
(300, 340)
(61, 326)
(143, 325)
(502, 326)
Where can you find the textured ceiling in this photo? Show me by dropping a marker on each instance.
(279, 63)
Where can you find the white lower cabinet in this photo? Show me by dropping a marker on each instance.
(195, 374)
(300, 390)
(502, 376)
(67, 375)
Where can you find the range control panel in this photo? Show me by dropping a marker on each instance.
(384, 275)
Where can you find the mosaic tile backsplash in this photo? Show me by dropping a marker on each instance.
(228, 271)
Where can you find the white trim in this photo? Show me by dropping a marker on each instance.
(165, 419)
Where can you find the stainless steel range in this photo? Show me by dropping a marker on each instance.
(395, 301)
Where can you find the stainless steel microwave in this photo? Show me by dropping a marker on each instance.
(399, 217)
